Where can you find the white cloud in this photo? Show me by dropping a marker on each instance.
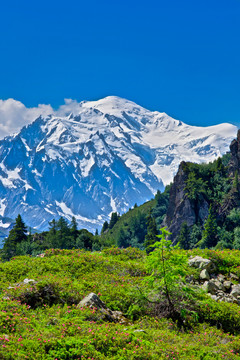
(70, 106)
(14, 115)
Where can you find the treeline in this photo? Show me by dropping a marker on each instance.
(137, 228)
(61, 235)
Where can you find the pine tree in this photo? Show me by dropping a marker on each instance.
(236, 242)
(184, 237)
(122, 238)
(158, 197)
(85, 240)
(105, 227)
(73, 226)
(137, 228)
(63, 233)
(209, 238)
(113, 220)
(152, 232)
(220, 166)
(167, 269)
(195, 186)
(195, 235)
(235, 180)
(51, 238)
(73, 231)
(17, 235)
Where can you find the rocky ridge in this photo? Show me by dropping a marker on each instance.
(184, 209)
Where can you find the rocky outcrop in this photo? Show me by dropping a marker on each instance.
(233, 198)
(218, 286)
(93, 301)
(201, 263)
(182, 209)
(234, 163)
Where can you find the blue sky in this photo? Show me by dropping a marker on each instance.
(181, 57)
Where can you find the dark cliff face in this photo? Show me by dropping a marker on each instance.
(182, 209)
(195, 211)
(233, 198)
(234, 163)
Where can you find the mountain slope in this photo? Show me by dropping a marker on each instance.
(104, 157)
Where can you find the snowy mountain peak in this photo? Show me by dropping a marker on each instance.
(96, 157)
(110, 103)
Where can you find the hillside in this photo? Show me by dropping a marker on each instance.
(40, 319)
(132, 227)
(129, 226)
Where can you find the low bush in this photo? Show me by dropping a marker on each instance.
(42, 321)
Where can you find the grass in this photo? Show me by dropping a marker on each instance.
(42, 321)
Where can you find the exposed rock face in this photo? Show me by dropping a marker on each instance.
(233, 198)
(181, 209)
(93, 301)
(234, 164)
(177, 193)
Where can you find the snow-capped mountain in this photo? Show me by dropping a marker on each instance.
(104, 157)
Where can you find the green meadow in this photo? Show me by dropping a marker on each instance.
(41, 320)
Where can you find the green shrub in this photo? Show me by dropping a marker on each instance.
(52, 327)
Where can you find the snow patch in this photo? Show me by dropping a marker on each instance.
(113, 205)
(28, 187)
(67, 212)
(86, 165)
(49, 211)
(36, 173)
(2, 206)
(26, 145)
(11, 175)
(4, 225)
